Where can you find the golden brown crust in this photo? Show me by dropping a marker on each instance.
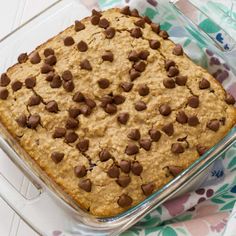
(102, 129)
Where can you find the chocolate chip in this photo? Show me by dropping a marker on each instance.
(145, 144)
(229, 99)
(165, 110)
(52, 106)
(169, 83)
(193, 121)
(147, 19)
(48, 52)
(143, 90)
(69, 86)
(181, 80)
(175, 170)
(222, 120)
(86, 185)
(131, 149)
(80, 171)
(83, 145)
(123, 118)
(111, 109)
(33, 121)
(125, 166)
(22, 58)
(155, 28)
(22, 120)
(164, 34)
(136, 33)
(134, 12)
(201, 149)
(4, 80)
(213, 125)
(95, 20)
(168, 129)
(154, 44)
(125, 10)
(140, 66)
(119, 99)
(147, 188)
(103, 83)
(133, 56)
(140, 23)
(113, 172)
(154, 134)
(204, 84)
(30, 82)
(4, 93)
(96, 13)
(50, 76)
(85, 64)
(56, 82)
(168, 64)
(35, 58)
(57, 157)
(136, 168)
(90, 103)
(16, 85)
(134, 74)
(144, 54)
(140, 106)
(173, 71)
(110, 32)
(193, 101)
(106, 100)
(71, 137)
(82, 46)
(126, 86)
(181, 117)
(178, 50)
(108, 56)
(51, 60)
(177, 148)
(72, 123)
(105, 155)
(34, 100)
(59, 132)
(85, 110)
(134, 134)
(124, 201)
(46, 69)
(69, 41)
(123, 181)
(104, 23)
(74, 112)
(78, 97)
(79, 26)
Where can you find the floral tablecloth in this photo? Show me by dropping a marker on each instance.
(211, 209)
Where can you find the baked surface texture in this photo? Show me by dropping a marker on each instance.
(112, 110)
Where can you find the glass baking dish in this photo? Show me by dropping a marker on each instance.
(52, 209)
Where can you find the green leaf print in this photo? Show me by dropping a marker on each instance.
(166, 26)
(228, 206)
(168, 231)
(197, 36)
(182, 231)
(232, 163)
(151, 13)
(227, 196)
(218, 201)
(159, 210)
(129, 233)
(209, 26)
(186, 43)
(222, 188)
(152, 222)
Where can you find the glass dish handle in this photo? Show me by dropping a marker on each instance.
(33, 210)
(222, 40)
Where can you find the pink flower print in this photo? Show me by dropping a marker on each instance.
(176, 206)
(219, 227)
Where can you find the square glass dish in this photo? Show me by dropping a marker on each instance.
(52, 209)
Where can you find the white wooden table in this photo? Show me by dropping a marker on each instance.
(12, 14)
